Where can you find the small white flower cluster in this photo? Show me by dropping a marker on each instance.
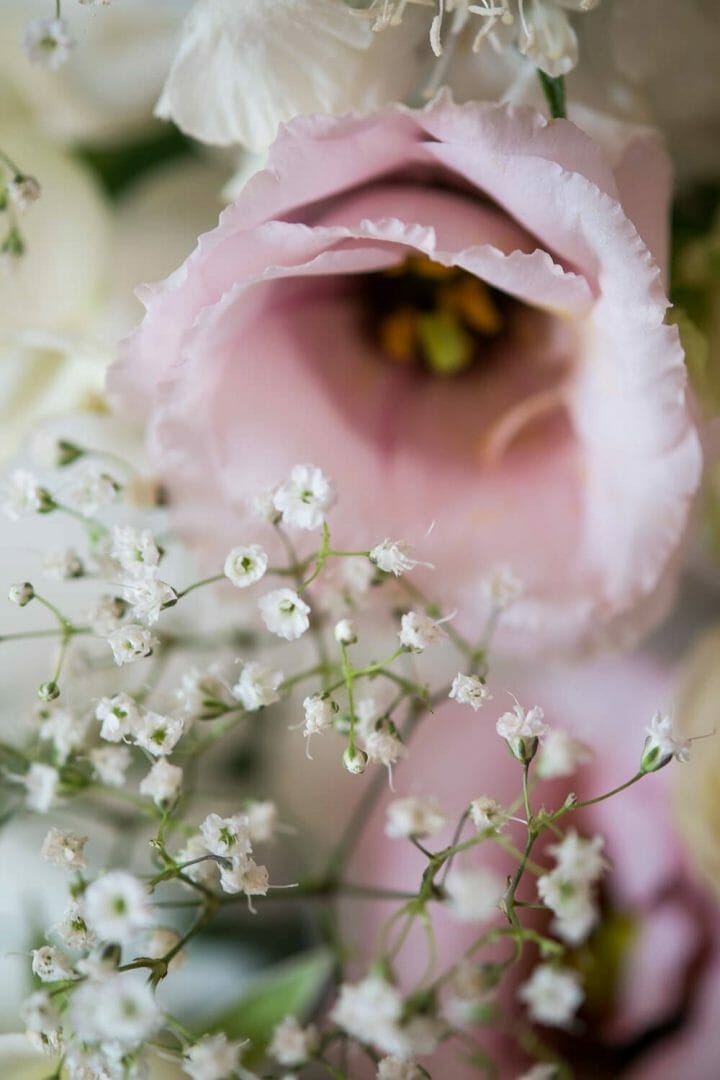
(372, 1011)
(122, 720)
(568, 890)
(552, 994)
(224, 846)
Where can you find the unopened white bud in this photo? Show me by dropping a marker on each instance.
(345, 632)
(355, 760)
(21, 594)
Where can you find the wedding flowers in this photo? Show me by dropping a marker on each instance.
(521, 338)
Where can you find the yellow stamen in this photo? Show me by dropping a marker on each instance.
(471, 300)
(398, 335)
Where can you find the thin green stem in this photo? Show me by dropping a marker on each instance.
(201, 584)
(554, 91)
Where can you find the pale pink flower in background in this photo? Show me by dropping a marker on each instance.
(566, 448)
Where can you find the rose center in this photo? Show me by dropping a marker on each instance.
(433, 318)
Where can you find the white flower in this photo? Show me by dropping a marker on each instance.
(383, 747)
(486, 813)
(662, 744)
(107, 615)
(245, 565)
(163, 782)
(47, 42)
(262, 820)
(414, 816)
(345, 632)
(64, 849)
(572, 903)
(148, 599)
(73, 930)
(469, 690)
(561, 755)
(393, 557)
(131, 642)
(203, 693)
(22, 494)
(92, 491)
(21, 594)
(354, 760)
(395, 1068)
(23, 192)
(39, 1014)
(502, 588)
(521, 730)
(579, 858)
(260, 63)
(158, 734)
(262, 505)
(304, 498)
(292, 1044)
(203, 873)
(552, 995)
(41, 783)
(63, 565)
(284, 613)
(244, 875)
(64, 728)
(111, 763)
(473, 893)
(227, 837)
(368, 1010)
(117, 906)
(119, 1007)
(319, 714)
(135, 550)
(119, 717)
(212, 1058)
(50, 965)
(418, 631)
(257, 686)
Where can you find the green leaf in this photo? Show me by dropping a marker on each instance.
(293, 987)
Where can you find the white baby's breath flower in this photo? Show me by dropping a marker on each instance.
(63, 565)
(23, 494)
(147, 599)
(552, 995)
(561, 755)
(486, 813)
(245, 565)
(292, 1044)
(572, 903)
(367, 1008)
(203, 873)
(395, 1068)
(246, 876)
(662, 745)
(64, 728)
(262, 820)
(502, 588)
(50, 964)
(117, 1008)
(158, 734)
(473, 893)
(469, 690)
(414, 816)
(92, 490)
(41, 782)
(284, 613)
(393, 557)
(579, 858)
(521, 730)
(40, 1014)
(213, 1057)
(319, 714)
(345, 632)
(73, 930)
(130, 643)
(383, 747)
(135, 550)
(117, 907)
(110, 764)
(257, 686)
(23, 192)
(262, 505)
(227, 837)
(107, 615)
(21, 594)
(47, 42)
(418, 631)
(304, 499)
(119, 717)
(65, 849)
(163, 783)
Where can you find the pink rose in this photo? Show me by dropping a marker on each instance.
(458, 313)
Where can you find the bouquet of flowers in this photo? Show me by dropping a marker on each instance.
(334, 741)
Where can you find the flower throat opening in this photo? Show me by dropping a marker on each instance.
(433, 318)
